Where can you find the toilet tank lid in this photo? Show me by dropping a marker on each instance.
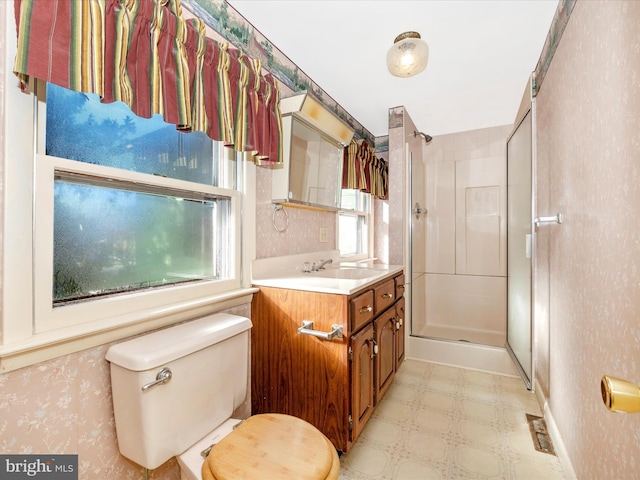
(163, 346)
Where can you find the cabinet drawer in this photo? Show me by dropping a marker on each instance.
(361, 310)
(385, 295)
(399, 280)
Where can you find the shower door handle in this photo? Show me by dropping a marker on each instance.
(418, 210)
(548, 220)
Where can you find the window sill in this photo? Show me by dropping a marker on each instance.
(45, 346)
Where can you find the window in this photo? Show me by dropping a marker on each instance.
(142, 238)
(203, 184)
(355, 225)
(130, 213)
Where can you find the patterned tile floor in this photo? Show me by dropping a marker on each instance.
(442, 422)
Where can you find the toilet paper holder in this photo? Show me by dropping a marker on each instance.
(620, 395)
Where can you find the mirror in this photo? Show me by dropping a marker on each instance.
(312, 170)
(316, 168)
(313, 141)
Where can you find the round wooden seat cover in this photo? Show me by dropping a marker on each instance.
(273, 446)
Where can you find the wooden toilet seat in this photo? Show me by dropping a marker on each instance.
(273, 446)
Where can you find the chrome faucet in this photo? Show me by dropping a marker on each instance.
(321, 265)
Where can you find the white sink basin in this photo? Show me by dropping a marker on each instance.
(349, 273)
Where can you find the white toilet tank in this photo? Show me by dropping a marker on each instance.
(208, 360)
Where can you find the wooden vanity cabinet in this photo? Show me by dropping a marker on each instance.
(333, 384)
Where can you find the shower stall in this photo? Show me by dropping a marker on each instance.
(457, 255)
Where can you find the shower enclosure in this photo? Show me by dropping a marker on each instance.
(446, 222)
(520, 237)
(458, 230)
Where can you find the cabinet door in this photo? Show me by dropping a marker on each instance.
(385, 332)
(399, 332)
(362, 376)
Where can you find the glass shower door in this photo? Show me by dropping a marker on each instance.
(519, 241)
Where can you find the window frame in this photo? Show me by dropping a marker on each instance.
(49, 317)
(367, 217)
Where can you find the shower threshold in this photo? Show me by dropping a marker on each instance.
(485, 358)
(466, 335)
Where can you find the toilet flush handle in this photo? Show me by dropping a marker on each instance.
(163, 376)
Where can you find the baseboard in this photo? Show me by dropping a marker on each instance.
(552, 428)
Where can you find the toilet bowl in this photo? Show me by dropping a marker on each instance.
(174, 391)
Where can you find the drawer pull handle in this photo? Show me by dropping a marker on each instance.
(307, 329)
(387, 295)
(401, 286)
(366, 309)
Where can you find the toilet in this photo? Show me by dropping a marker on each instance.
(174, 391)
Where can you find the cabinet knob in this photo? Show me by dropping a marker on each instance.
(366, 309)
(387, 295)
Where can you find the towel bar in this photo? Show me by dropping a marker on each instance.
(307, 329)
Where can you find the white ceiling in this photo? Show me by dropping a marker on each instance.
(481, 55)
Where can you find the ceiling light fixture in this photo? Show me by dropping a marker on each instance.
(408, 55)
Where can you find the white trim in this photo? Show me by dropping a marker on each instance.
(248, 218)
(369, 216)
(552, 428)
(119, 308)
(17, 156)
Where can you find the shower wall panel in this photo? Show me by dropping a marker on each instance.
(441, 204)
(481, 209)
(466, 307)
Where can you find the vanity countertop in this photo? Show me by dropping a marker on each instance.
(343, 278)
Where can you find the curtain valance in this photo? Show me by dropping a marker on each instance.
(145, 54)
(363, 171)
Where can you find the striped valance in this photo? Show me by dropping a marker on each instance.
(363, 171)
(145, 54)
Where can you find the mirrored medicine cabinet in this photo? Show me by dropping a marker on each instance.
(313, 148)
